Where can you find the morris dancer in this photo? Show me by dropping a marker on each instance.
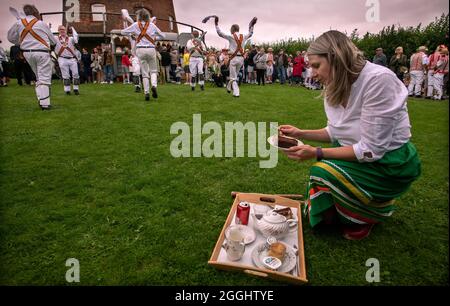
(236, 43)
(34, 38)
(418, 64)
(147, 33)
(67, 59)
(432, 61)
(195, 46)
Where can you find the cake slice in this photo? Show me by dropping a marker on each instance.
(286, 142)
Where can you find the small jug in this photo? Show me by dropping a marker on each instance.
(235, 246)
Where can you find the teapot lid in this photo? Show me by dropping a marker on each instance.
(274, 217)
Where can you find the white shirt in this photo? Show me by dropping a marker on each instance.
(68, 42)
(376, 119)
(29, 42)
(232, 43)
(190, 46)
(153, 31)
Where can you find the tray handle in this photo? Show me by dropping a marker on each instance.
(289, 196)
(256, 273)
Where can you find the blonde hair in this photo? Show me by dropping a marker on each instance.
(345, 60)
(399, 49)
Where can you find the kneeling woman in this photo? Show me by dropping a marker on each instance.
(371, 161)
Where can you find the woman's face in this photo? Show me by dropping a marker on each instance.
(321, 69)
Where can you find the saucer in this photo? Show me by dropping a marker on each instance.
(247, 231)
(260, 252)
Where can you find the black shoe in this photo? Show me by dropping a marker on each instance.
(154, 93)
(192, 88)
(44, 108)
(418, 96)
(428, 98)
(235, 96)
(229, 91)
(68, 93)
(147, 97)
(76, 92)
(137, 89)
(202, 87)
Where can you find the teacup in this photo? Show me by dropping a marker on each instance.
(235, 246)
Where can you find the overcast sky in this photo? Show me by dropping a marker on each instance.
(276, 19)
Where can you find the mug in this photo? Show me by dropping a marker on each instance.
(235, 246)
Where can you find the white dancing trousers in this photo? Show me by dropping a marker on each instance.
(196, 68)
(438, 85)
(149, 67)
(235, 66)
(69, 65)
(431, 81)
(416, 82)
(41, 64)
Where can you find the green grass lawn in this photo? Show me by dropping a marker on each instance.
(94, 179)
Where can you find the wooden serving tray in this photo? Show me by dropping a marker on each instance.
(262, 199)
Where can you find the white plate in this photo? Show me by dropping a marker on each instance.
(273, 140)
(289, 261)
(247, 231)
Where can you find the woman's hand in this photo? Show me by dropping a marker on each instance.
(290, 131)
(303, 152)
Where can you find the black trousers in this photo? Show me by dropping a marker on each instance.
(22, 69)
(261, 76)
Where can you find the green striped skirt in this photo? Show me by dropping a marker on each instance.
(362, 193)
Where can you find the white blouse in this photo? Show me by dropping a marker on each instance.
(376, 119)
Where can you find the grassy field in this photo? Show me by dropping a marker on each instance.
(94, 179)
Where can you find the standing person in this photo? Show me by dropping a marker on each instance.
(251, 72)
(299, 66)
(3, 66)
(398, 63)
(87, 62)
(147, 33)
(174, 61)
(96, 65)
(281, 66)
(439, 72)
(178, 73)
(260, 61)
(372, 161)
(380, 57)
(136, 70)
(432, 61)
(224, 61)
(19, 65)
(196, 60)
(236, 43)
(290, 69)
(165, 64)
(417, 68)
(35, 39)
(187, 74)
(269, 70)
(126, 64)
(67, 59)
(107, 61)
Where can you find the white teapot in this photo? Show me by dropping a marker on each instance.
(274, 224)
